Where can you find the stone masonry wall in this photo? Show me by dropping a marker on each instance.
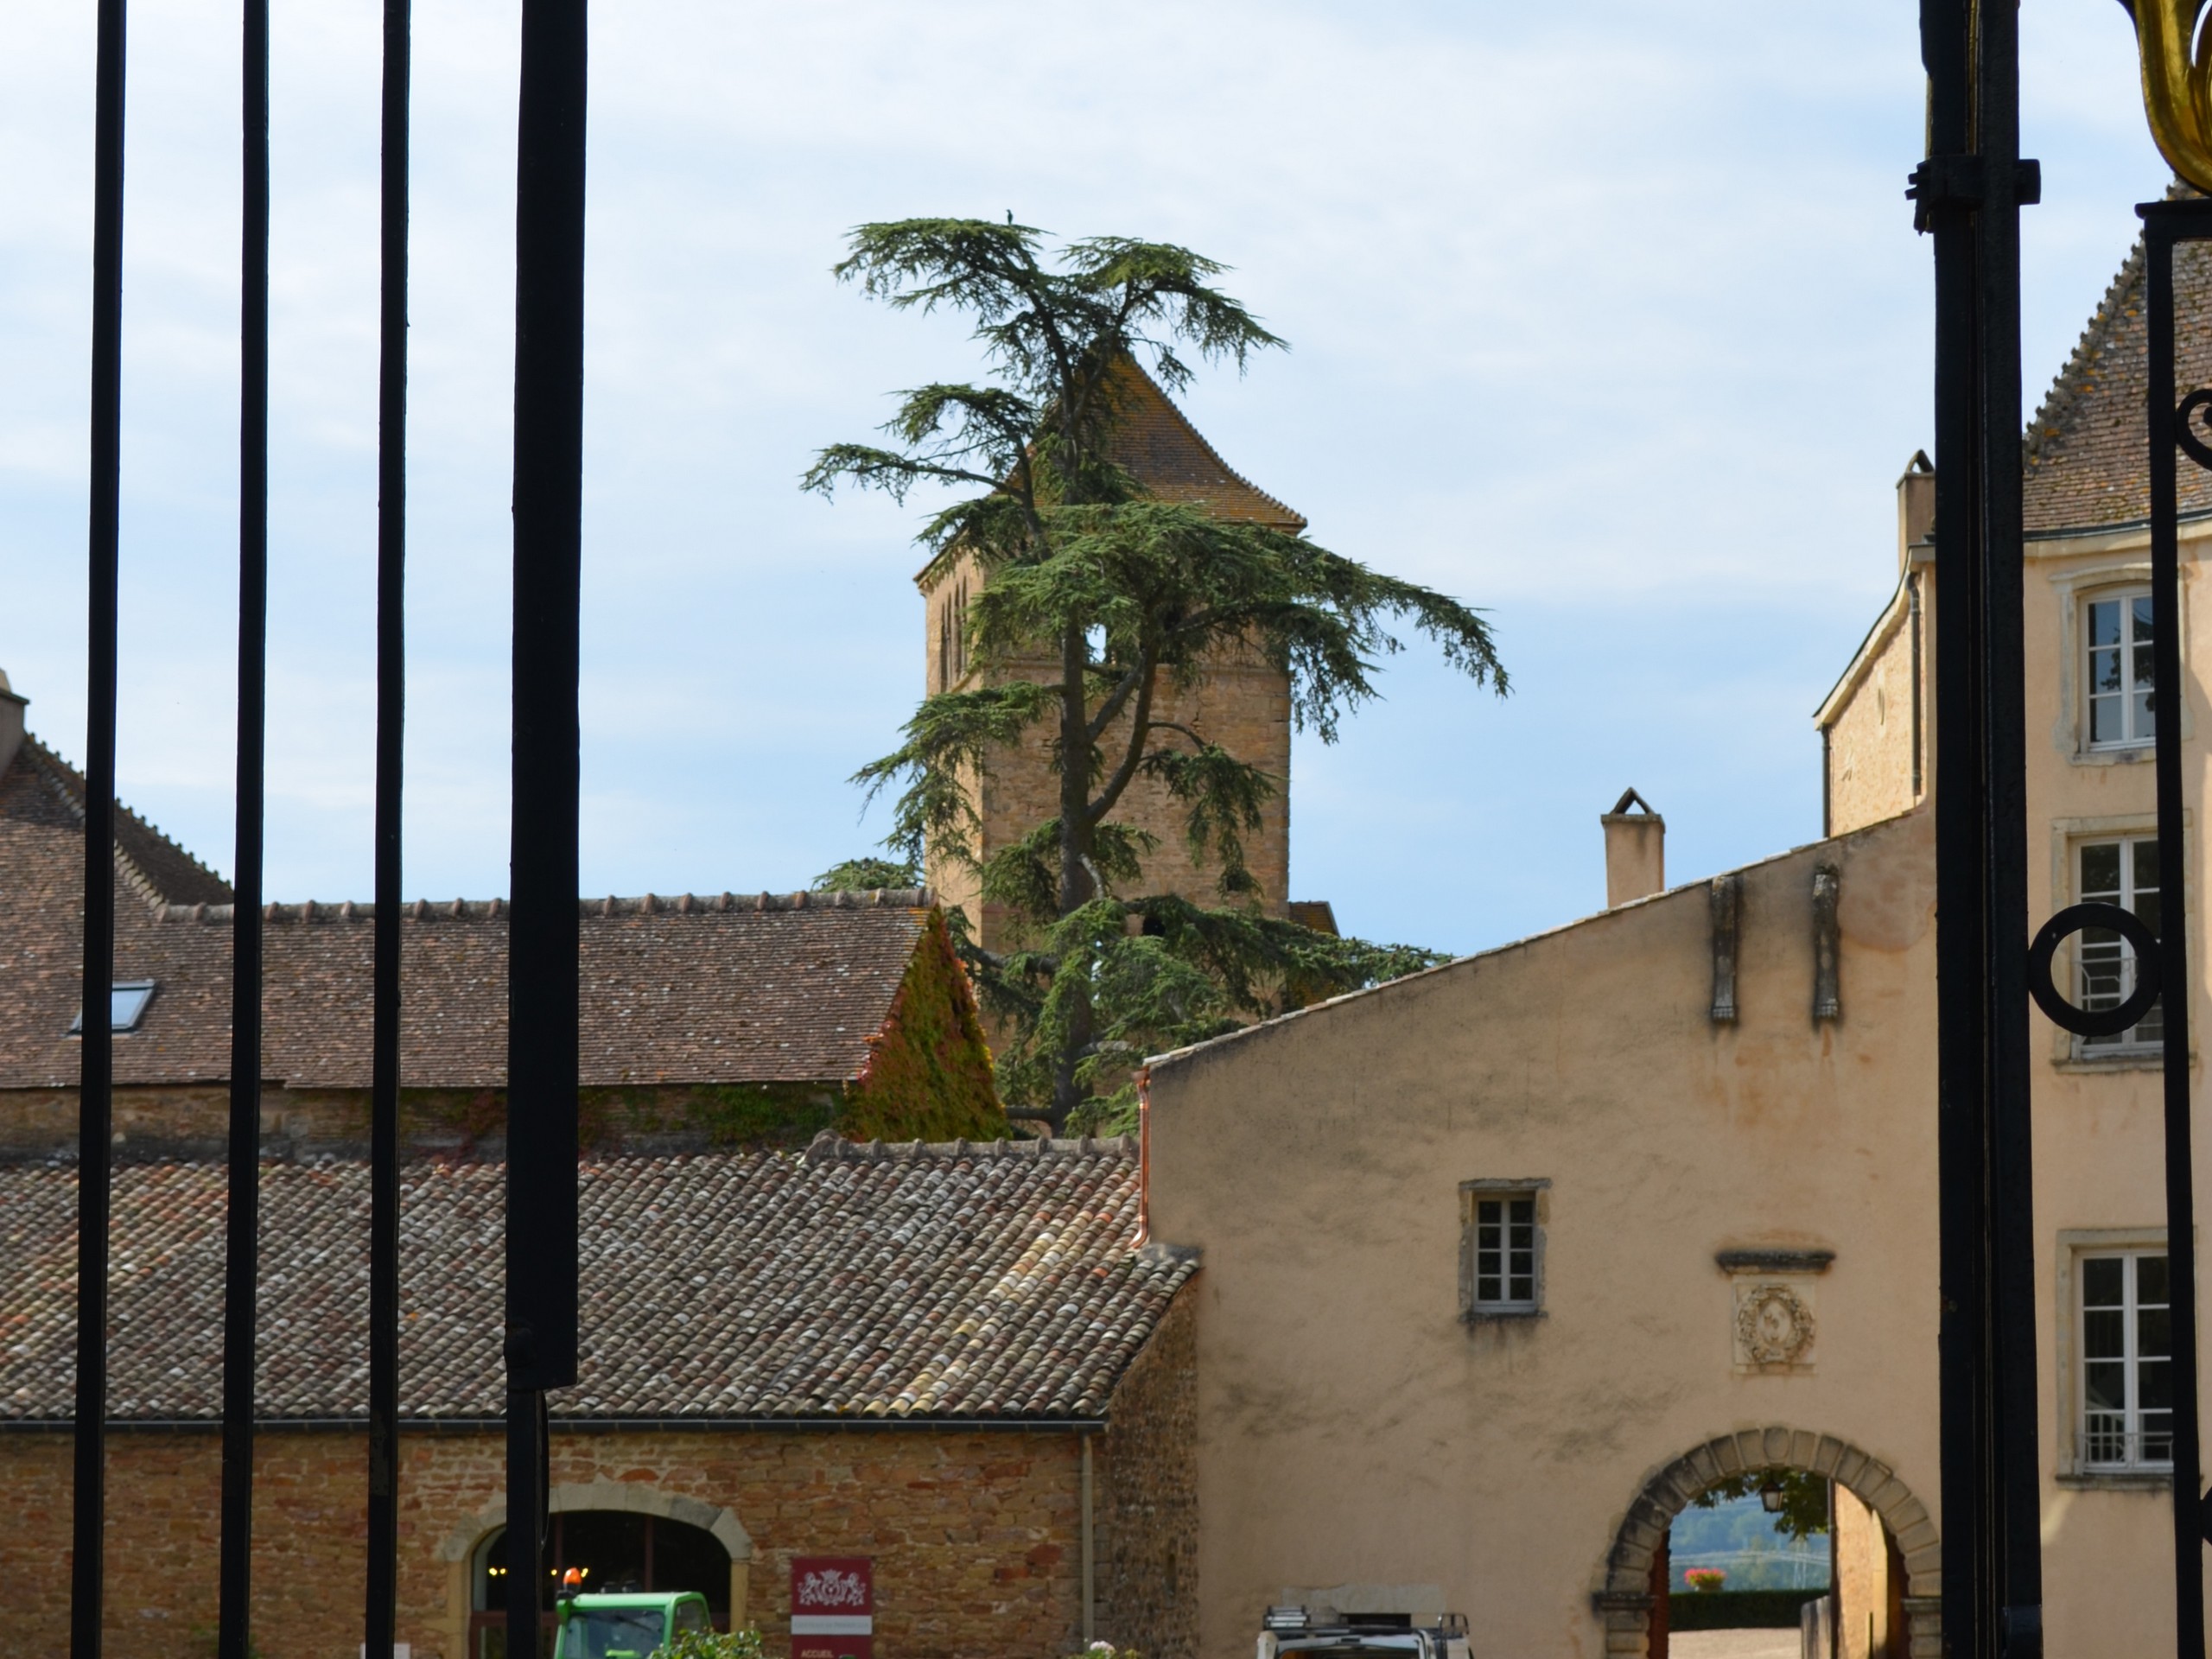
(1146, 1520)
(976, 1535)
(1241, 704)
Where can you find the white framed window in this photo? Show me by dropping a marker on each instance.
(2123, 1339)
(2119, 677)
(1502, 1249)
(2123, 872)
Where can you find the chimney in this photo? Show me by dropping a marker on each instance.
(12, 722)
(1635, 850)
(1916, 505)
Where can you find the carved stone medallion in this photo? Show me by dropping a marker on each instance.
(1774, 1327)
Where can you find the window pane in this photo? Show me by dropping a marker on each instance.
(2144, 856)
(1524, 1288)
(2146, 725)
(2101, 870)
(2104, 622)
(2151, 1280)
(2140, 606)
(2101, 1280)
(2153, 1334)
(1490, 1211)
(2103, 1334)
(2104, 1385)
(2104, 671)
(1487, 1287)
(2154, 1385)
(1524, 1213)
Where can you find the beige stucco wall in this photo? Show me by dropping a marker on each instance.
(1877, 727)
(1317, 1161)
(1353, 1429)
(2098, 1123)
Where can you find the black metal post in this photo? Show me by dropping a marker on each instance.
(381, 1579)
(96, 1057)
(542, 957)
(2164, 225)
(243, 1225)
(1970, 191)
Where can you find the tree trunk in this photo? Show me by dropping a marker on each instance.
(1077, 887)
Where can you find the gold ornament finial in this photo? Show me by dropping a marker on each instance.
(2176, 85)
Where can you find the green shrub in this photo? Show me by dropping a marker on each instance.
(714, 1644)
(1738, 1609)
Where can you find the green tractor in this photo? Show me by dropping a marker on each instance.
(625, 1625)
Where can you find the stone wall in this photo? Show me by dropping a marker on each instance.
(1240, 704)
(1147, 1500)
(976, 1535)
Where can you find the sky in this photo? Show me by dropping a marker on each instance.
(1609, 319)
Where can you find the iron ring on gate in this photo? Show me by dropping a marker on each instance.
(2095, 1022)
(2193, 407)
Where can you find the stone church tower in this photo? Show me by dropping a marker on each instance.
(1243, 704)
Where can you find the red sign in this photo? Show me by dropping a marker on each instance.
(833, 1607)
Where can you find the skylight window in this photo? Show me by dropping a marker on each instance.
(126, 1006)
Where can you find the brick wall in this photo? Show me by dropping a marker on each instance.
(1147, 1519)
(976, 1537)
(1240, 704)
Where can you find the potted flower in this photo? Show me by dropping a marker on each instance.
(1703, 1580)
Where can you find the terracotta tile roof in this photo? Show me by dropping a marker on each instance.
(936, 1282)
(723, 989)
(2086, 447)
(1155, 441)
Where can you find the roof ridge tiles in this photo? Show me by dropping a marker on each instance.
(830, 1147)
(687, 904)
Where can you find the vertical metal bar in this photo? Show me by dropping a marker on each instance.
(2160, 224)
(96, 1057)
(382, 1583)
(243, 1227)
(1963, 1267)
(542, 1044)
(2015, 1460)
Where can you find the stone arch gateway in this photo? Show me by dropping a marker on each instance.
(1623, 1603)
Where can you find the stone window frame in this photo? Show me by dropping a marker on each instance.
(2074, 1243)
(1536, 1187)
(2067, 1051)
(2070, 728)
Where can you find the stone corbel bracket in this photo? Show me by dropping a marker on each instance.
(1827, 887)
(1727, 896)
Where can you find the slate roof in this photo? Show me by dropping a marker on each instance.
(2086, 465)
(942, 1282)
(723, 989)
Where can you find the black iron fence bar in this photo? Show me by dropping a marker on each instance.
(542, 939)
(1969, 191)
(382, 1577)
(234, 1572)
(2165, 224)
(2014, 1425)
(96, 1055)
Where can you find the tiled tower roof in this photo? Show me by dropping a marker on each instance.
(2086, 446)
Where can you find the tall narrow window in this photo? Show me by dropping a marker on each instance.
(1501, 1253)
(2120, 672)
(2123, 873)
(2126, 1371)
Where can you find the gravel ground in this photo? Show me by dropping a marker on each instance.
(1733, 1644)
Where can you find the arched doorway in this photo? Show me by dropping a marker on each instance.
(1625, 1602)
(619, 1534)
